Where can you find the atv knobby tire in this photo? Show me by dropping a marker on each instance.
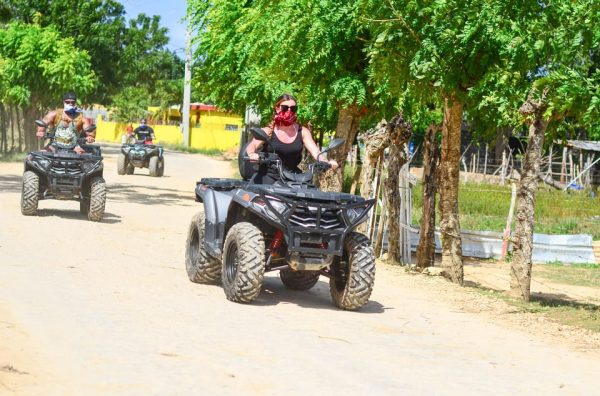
(153, 166)
(122, 164)
(97, 199)
(201, 268)
(353, 275)
(243, 263)
(30, 193)
(299, 280)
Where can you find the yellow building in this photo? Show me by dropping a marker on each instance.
(210, 128)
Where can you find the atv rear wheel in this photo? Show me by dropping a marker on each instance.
(298, 280)
(121, 164)
(201, 268)
(30, 193)
(243, 263)
(353, 275)
(153, 166)
(97, 199)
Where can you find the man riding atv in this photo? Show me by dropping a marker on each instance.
(69, 125)
(143, 133)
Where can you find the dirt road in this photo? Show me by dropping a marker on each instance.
(107, 309)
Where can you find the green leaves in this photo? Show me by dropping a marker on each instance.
(39, 65)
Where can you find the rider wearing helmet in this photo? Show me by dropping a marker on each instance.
(69, 125)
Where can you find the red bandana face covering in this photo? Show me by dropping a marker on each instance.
(285, 118)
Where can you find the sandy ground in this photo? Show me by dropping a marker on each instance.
(106, 308)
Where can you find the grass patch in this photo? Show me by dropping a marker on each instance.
(485, 207)
(574, 274)
(559, 310)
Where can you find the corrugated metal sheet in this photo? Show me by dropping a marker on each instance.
(582, 144)
(568, 249)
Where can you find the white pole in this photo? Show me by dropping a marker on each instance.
(187, 82)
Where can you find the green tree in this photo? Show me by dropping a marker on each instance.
(251, 52)
(441, 49)
(96, 26)
(38, 66)
(131, 104)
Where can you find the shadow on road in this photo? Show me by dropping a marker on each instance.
(155, 196)
(274, 292)
(109, 218)
(10, 183)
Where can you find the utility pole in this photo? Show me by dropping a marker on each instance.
(187, 82)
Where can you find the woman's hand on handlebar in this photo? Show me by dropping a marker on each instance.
(253, 157)
(90, 139)
(333, 163)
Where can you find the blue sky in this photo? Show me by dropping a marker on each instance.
(170, 11)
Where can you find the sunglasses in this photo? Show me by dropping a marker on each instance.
(285, 108)
(71, 102)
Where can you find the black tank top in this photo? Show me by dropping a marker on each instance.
(290, 153)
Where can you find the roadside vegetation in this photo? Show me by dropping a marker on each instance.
(484, 207)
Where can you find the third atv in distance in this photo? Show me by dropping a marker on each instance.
(141, 154)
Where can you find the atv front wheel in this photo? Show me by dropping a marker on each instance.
(201, 268)
(353, 275)
(153, 166)
(243, 263)
(298, 280)
(97, 199)
(30, 193)
(121, 164)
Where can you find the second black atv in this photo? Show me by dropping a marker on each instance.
(140, 154)
(247, 229)
(65, 175)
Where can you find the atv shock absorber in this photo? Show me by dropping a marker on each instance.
(276, 242)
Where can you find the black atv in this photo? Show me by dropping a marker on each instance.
(141, 155)
(290, 227)
(66, 175)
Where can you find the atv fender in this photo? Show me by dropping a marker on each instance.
(216, 206)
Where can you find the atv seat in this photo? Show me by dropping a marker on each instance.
(298, 177)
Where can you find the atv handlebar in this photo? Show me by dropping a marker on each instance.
(321, 166)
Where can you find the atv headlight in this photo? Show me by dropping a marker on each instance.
(279, 206)
(43, 162)
(355, 213)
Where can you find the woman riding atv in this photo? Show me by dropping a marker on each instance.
(288, 138)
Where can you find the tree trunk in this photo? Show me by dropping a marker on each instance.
(399, 132)
(30, 139)
(19, 129)
(3, 129)
(520, 282)
(431, 159)
(376, 140)
(347, 128)
(449, 178)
